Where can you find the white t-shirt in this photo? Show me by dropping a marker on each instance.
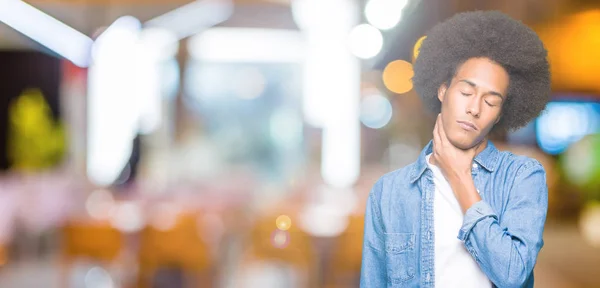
(454, 266)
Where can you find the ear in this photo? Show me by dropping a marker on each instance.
(442, 92)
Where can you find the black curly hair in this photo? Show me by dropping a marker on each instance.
(492, 35)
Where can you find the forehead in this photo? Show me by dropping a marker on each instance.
(484, 73)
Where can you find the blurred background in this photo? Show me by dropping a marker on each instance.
(215, 143)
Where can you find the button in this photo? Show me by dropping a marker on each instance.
(475, 165)
(428, 277)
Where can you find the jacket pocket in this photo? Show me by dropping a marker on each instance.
(400, 257)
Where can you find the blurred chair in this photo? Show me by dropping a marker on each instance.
(96, 241)
(177, 248)
(343, 269)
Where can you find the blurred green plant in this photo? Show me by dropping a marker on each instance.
(581, 166)
(35, 140)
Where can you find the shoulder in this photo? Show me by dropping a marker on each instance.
(519, 165)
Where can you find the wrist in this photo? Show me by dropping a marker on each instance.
(461, 177)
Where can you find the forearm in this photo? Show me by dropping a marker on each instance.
(505, 255)
(464, 189)
(506, 252)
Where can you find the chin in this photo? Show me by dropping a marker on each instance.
(463, 142)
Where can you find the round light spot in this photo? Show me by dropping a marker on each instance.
(375, 111)
(100, 204)
(384, 14)
(128, 217)
(365, 41)
(283, 222)
(577, 162)
(565, 123)
(397, 76)
(590, 224)
(280, 239)
(581, 165)
(164, 217)
(97, 277)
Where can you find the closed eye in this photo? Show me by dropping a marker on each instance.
(465, 94)
(489, 104)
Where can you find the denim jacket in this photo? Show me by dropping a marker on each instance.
(503, 231)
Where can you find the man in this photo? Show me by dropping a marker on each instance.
(465, 214)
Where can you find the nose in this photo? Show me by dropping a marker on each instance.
(473, 107)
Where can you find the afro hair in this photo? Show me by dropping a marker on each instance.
(492, 35)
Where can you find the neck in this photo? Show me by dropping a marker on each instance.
(478, 149)
(481, 146)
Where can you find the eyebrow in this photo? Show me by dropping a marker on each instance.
(491, 92)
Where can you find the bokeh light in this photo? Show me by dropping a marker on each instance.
(97, 277)
(375, 111)
(323, 220)
(327, 213)
(365, 41)
(581, 164)
(100, 204)
(128, 217)
(318, 15)
(283, 222)
(165, 215)
(384, 14)
(280, 239)
(397, 76)
(572, 43)
(417, 48)
(564, 123)
(590, 224)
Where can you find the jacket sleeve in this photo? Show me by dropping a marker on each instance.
(507, 251)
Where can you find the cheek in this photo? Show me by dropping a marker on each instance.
(491, 121)
(447, 104)
(456, 102)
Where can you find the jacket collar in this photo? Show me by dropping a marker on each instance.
(488, 159)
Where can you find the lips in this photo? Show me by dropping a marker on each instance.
(467, 125)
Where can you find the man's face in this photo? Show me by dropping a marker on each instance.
(472, 104)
